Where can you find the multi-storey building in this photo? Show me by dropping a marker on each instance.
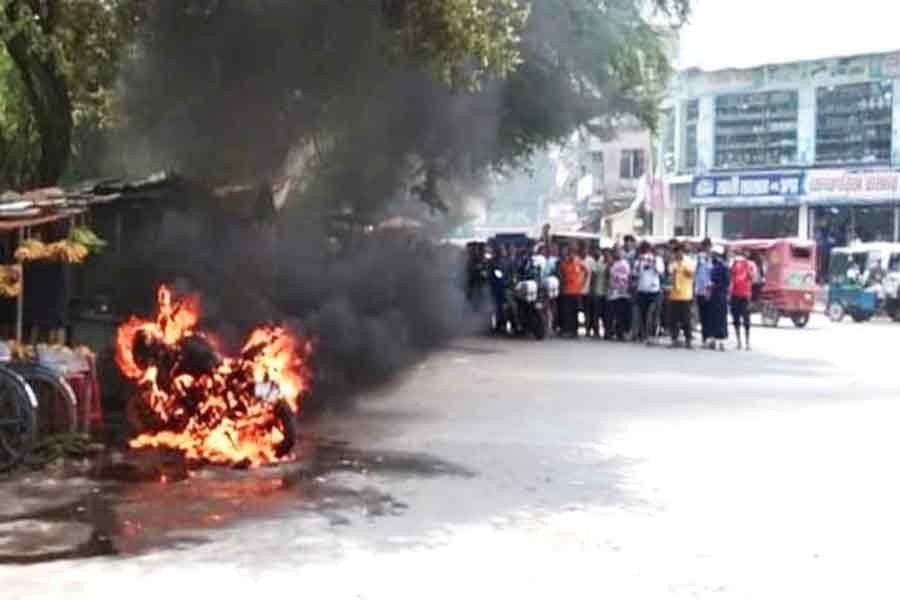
(616, 165)
(807, 149)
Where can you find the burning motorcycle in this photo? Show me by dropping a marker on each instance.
(213, 408)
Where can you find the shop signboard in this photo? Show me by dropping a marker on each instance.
(747, 189)
(841, 186)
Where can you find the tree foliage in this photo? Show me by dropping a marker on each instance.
(362, 99)
(65, 55)
(19, 142)
(462, 41)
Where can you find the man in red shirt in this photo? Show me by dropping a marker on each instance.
(743, 274)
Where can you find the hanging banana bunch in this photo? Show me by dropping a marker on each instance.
(10, 280)
(32, 250)
(68, 251)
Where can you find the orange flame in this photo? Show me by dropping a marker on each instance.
(227, 415)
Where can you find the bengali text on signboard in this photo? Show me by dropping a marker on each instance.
(747, 189)
(842, 185)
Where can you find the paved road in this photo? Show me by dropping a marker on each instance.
(565, 469)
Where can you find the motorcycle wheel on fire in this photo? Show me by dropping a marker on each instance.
(286, 423)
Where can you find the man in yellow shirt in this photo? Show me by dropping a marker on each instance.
(681, 297)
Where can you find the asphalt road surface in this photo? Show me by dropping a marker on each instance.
(517, 469)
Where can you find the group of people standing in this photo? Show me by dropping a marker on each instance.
(637, 292)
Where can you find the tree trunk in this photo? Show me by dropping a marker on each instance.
(51, 105)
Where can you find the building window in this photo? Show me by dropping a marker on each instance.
(755, 130)
(691, 118)
(853, 123)
(632, 165)
(597, 170)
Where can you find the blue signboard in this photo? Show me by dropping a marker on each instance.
(747, 189)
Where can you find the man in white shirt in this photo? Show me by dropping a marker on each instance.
(650, 268)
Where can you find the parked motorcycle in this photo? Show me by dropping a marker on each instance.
(529, 308)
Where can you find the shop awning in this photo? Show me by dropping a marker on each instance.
(13, 224)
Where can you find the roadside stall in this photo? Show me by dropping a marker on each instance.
(58, 323)
(42, 235)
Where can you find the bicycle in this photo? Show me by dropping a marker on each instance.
(57, 403)
(18, 418)
(35, 402)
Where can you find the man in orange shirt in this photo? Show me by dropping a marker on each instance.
(573, 273)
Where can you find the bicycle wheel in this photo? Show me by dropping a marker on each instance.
(18, 418)
(57, 402)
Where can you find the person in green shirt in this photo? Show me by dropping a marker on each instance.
(598, 289)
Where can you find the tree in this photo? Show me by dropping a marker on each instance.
(65, 54)
(30, 28)
(371, 99)
(363, 98)
(19, 143)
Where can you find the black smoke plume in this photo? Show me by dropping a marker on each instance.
(373, 303)
(228, 91)
(250, 92)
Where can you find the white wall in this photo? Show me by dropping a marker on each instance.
(895, 120)
(803, 222)
(713, 224)
(664, 222)
(806, 125)
(706, 136)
